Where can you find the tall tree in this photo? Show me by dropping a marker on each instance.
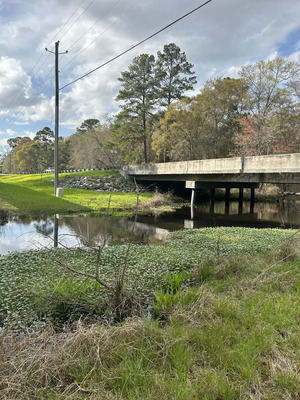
(175, 74)
(13, 142)
(223, 101)
(45, 136)
(28, 158)
(88, 124)
(134, 123)
(93, 149)
(271, 106)
(182, 133)
(45, 141)
(64, 153)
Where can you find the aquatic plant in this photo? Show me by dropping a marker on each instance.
(24, 273)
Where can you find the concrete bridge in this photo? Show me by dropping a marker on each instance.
(238, 172)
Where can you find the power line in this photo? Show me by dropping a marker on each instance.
(78, 17)
(91, 27)
(83, 1)
(137, 44)
(97, 37)
(15, 99)
(17, 95)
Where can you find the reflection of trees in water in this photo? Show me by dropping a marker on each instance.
(3, 217)
(22, 219)
(287, 213)
(95, 231)
(98, 231)
(87, 230)
(44, 227)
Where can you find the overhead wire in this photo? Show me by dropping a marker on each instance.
(37, 92)
(84, 11)
(20, 110)
(13, 102)
(91, 27)
(73, 13)
(136, 45)
(97, 37)
(30, 101)
(15, 98)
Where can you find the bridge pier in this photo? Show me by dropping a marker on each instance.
(241, 199)
(252, 200)
(227, 200)
(212, 192)
(194, 185)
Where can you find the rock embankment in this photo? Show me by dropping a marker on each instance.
(107, 184)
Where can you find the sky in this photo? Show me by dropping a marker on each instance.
(218, 39)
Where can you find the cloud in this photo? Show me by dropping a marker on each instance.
(3, 145)
(7, 132)
(14, 83)
(217, 39)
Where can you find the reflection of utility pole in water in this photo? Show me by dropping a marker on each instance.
(55, 238)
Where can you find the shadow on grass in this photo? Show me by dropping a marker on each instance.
(19, 199)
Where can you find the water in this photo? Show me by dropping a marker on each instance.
(75, 231)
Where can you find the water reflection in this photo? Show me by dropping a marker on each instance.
(45, 228)
(60, 231)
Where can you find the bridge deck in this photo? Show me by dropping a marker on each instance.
(283, 168)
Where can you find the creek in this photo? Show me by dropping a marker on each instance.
(18, 234)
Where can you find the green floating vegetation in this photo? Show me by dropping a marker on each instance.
(24, 274)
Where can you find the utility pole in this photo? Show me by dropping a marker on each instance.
(56, 53)
(56, 120)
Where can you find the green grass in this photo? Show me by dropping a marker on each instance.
(34, 194)
(231, 335)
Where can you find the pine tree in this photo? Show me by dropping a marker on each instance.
(175, 74)
(138, 98)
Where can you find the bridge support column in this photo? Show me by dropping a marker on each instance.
(212, 200)
(227, 200)
(252, 199)
(241, 199)
(192, 185)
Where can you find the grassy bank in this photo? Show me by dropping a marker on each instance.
(232, 332)
(34, 194)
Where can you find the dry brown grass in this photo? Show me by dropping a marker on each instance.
(160, 202)
(36, 366)
(80, 363)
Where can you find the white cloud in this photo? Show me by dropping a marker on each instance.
(294, 56)
(7, 132)
(14, 83)
(3, 143)
(217, 39)
(29, 134)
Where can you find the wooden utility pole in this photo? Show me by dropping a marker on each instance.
(56, 120)
(56, 53)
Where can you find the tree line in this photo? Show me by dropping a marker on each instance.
(254, 114)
